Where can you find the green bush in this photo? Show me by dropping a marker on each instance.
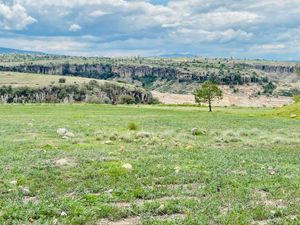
(132, 126)
(126, 99)
(62, 80)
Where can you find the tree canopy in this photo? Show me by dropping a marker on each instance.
(207, 93)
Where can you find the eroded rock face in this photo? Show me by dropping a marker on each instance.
(147, 75)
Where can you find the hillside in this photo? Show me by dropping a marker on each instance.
(244, 80)
(15, 79)
(37, 88)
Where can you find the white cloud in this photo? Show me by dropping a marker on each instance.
(243, 26)
(14, 17)
(98, 13)
(74, 27)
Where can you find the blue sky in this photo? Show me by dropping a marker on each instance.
(267, 29)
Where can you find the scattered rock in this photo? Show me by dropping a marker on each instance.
(65, 162)
(271, 170)
(108, 143)
(122, 148)
(194, 131)
(143, 135)
(189, 147)
(25, 190)
(70, 135)
(161, 207)
(63, 213)
(27, 200)
(177, 169)
(127, 166)
(14, 182)
(61, 131)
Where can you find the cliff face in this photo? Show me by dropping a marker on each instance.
(275, 69)
(147, 76)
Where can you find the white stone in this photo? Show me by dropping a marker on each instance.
(61, 131)
(127, 166)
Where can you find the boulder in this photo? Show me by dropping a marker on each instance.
(62, 131)
(127, 166)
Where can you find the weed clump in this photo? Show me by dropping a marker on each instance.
(132, 126)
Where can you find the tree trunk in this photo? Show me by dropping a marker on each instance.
(209, 105)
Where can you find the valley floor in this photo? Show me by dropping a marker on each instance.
(246, 96)
(242, 168)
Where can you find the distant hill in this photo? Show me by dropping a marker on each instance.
(17, 51)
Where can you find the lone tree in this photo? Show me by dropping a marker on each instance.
(207, 93)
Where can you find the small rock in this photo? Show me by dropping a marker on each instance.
(70, 135)
(108, 142)
(194, 131)
(177, 169)
(143, 135)
(14, 182)
(189, 147)
(63, 213)
(293, 116)
(122, 148)
(62, 131)
(127, 166)
(25, 190)
(161, 207)
(271, 170)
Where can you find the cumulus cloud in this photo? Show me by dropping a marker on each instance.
(74, 27)
(137, 26)
(14, 17)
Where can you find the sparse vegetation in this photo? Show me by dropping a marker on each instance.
(243, 171)
(62, 80)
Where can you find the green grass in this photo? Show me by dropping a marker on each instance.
(244, 169)
(289, 111)
(15, 79)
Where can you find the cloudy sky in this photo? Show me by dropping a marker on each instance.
(239, 28)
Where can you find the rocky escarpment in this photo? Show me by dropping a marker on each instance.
(144, 74)
(181, 78)
(93, 92)
(272, 68)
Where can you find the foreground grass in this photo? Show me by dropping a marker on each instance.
(243, 169)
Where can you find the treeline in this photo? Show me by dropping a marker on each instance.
(92, 92)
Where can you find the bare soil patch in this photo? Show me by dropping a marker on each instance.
(246, 97)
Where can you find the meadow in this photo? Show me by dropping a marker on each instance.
(145, 165)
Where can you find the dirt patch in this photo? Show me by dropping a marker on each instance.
(65, 162)
(137, 220)
(270, 203)
(141, 202)
(28, 199)
(127, 221)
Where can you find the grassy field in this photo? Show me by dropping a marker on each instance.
(36, 80)
(243, 167)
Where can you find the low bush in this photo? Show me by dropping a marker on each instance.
(132, 126)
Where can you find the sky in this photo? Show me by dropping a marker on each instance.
(265, 29)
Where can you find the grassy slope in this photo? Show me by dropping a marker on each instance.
(289, 110)
(36, 80)
(246, 169)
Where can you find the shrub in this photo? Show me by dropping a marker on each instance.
(154, 101)
(62, 80)
(132, 126)
(126, 99)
